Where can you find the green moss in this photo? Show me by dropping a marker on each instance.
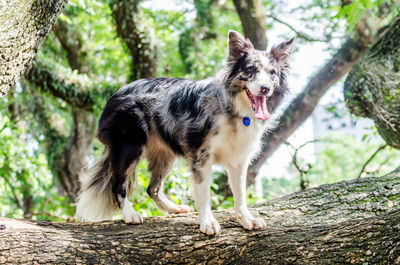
(394, 197)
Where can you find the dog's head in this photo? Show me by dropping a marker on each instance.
(259, 74)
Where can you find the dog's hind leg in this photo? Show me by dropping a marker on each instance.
(160, 163)
(125, 159)
(125, 133)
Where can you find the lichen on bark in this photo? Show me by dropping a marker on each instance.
(372, 88)
(23, 26)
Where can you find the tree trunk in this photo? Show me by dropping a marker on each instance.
(304, 104)
(74, 156)
(372, 88)
(67, 156)
(23, 27)
(137, 38)
(252, 16)
(350, 222)
(75, 152)
(72, 42)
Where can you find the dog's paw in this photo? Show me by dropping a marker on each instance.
(132, 217)
(180, 209)
(252, 223)
(210, 227)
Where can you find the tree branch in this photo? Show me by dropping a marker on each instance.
(23, 27)
(299, 34)
(5, 125)
(372, 87)
(380, 148)
(304, 182)
(251, 13)
(352, 222)
(136, 37)
(15, 197)
(72, 42)
(80, 92)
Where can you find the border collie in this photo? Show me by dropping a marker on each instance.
(219, 120)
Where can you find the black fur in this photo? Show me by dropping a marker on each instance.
(125, 133)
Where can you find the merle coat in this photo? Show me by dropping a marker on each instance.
(161, 119)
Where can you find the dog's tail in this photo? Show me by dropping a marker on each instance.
(96, 201)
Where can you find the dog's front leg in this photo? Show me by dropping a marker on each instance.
(237, 180)
(201, 193)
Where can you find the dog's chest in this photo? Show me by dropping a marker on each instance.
(234, 141)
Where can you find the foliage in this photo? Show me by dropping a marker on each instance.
(353, 10)
(341, 157)
(176, 188)
(26, 186)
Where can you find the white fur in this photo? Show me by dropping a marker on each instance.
(95, 203)
(130, 215)
(201, 193)
(236, 143)
(237, 180)
(93, 206)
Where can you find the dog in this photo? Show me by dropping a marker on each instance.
(218, 120)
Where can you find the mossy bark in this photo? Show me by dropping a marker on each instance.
(372, 88)
(23, 26)
(350, 222)
(136, 35)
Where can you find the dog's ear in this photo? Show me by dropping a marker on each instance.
(238, 46)
(282, 52)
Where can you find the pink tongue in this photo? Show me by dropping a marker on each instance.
(261, 108)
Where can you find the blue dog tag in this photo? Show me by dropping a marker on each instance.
(246, 121)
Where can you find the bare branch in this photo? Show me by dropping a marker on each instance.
(304, 182)
(299, 34)
(380, 148)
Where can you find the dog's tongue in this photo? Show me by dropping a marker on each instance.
(261, 108)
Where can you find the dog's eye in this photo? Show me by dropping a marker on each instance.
(272, 72)
(250, 69)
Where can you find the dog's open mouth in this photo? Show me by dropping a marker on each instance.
(259, 105)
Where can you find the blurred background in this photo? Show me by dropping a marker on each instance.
(48, 121)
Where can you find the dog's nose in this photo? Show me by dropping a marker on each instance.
(264, 89)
